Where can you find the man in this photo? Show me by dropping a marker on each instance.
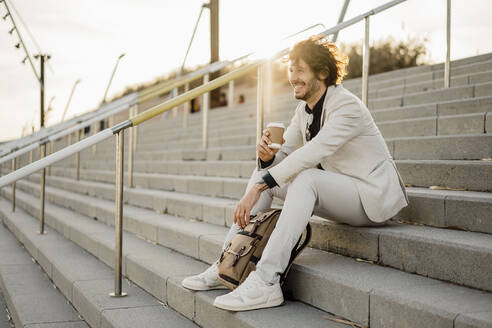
(334, 163)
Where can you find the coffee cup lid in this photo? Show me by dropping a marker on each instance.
(276, 125)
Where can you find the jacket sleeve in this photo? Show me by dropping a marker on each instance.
(293, 139)
(342, 125)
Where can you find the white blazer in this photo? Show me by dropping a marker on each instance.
(348, 143)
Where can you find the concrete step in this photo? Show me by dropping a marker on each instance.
(416, 243)
(28, 291)
(473, 175)
(362, 292)
(465, 175)
(5, 318)
(86, 281)
(465, 210)
(159, 271)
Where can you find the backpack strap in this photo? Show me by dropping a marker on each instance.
(298, 248)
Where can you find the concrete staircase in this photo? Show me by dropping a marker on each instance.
(430, 267)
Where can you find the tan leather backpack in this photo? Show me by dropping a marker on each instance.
(244, 251)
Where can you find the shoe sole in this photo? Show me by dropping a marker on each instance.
(202, 288)
(270, 303)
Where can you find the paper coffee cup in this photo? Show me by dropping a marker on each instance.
(276, 134)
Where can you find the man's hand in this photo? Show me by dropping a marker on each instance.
(243, 208)
(264, 152)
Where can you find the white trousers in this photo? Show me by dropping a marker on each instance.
(326, 194)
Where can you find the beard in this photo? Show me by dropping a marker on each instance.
(312, 88)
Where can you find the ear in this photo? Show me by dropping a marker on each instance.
(323, 74)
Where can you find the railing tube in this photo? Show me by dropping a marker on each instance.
(447, 64)
(206, 104)
(77, 160)
(14, 162)
(50, 151)
(365, 63)
(42, 198)
(131, 149)
(230, 94)
(186, 108)
(118, 220)
(259, 105)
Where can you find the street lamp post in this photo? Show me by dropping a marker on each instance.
(69, 99)
(111, 78)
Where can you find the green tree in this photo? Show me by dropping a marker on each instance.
(386, 55)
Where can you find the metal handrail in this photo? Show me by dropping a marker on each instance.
(49, 131)
(134, 121)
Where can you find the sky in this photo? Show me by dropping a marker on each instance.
(85, 38)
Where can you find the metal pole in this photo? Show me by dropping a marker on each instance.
(259, 106)
(447, 64)
(230, 94)
(340, 19)
(267, 86)
(41, 81)
(13, 185)
(77, 160)
(118, 222)
(130, 151)
(43, 183)
(186, 108)
(111, 78)
(175, 93)
(69, 99)
(50, 151)
(365, 63)
(205, 114)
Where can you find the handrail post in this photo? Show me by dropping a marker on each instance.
(206, 104)
(447, 64)
(132, 148)
(50, 151)
(230, 94)
(186, 108)
(77, 160)
(42, 194)
(13, 184)
(365, 63)
(259, 105)
(268, 87)
(118, 224)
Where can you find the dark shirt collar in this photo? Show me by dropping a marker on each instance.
(319, 105)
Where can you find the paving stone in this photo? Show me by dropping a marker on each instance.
(488, 123)
(438, 147)
(344, 240)
(484, 89)
(465, 106)
(474, 320)
(147, 317)
(402, 248)
(418, 127)
(468, 175)
(438, 300)
(461, 124)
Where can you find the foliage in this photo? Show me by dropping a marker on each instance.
(386, 55)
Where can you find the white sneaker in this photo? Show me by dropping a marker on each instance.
(252, 294)
(207, 280)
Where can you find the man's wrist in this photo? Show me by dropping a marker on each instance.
(261, 185)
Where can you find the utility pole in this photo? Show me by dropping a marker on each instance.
(214, 46)
(43, 58)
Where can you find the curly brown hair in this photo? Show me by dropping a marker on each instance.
(321, 56)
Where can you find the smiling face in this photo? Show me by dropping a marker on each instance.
(306, 85)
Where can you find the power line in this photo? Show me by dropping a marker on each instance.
(28, 32)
